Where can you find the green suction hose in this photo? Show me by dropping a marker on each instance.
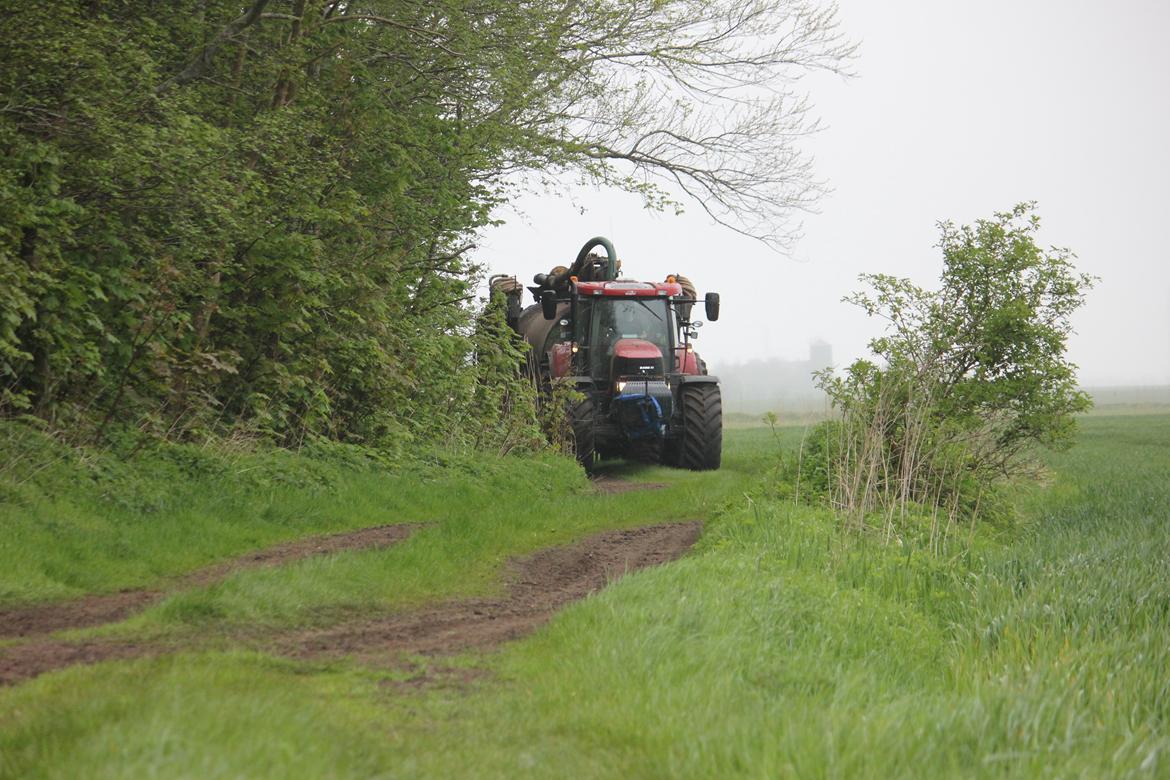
(611, 253)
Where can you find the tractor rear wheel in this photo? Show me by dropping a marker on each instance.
(581, 417)
(700, 447)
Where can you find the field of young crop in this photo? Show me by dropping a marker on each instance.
(779, 645)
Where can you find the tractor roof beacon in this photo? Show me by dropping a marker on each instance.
(626, 346)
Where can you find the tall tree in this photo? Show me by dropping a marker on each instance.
(256, 214)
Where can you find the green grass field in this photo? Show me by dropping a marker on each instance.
(91, 523)
(779, 647)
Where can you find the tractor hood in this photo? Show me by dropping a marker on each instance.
(636, 348)
(636, 358)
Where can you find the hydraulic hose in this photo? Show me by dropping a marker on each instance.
(611, 253)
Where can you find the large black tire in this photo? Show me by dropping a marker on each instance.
(700, 447)
(647, 450)
(581, 417)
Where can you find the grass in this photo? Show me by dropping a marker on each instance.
(461, 552)
(81, 521)
(93, 523)
(780, 647)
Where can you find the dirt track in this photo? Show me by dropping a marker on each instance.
(97, 610)
(539, 584)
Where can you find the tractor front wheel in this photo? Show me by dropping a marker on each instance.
(647, 450)
(700, 446)
(581, 417)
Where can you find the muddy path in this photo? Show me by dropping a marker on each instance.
(98, 609)
(538, 585)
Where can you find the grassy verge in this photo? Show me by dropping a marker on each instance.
(783, 649)
(78, 522)
(779, 648)
(81, 521)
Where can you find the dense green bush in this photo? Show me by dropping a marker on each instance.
(972, 379)
(276, 246)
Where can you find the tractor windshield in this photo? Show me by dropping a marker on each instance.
(612, 319)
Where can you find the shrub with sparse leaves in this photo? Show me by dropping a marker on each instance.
(970, 378)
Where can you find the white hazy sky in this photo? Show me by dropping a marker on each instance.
(958, 110)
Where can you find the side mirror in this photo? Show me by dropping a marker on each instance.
(548, 304)
(711, 303)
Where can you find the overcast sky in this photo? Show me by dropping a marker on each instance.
(958, 110)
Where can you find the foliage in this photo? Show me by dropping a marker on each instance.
(253, 217)
(504, 402)
(973, 375)
(554, 411)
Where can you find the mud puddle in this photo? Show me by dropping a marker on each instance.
(96, 610)
(538, 585)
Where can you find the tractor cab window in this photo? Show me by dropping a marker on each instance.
(613, 319)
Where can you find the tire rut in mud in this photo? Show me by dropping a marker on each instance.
(99, 609)
(539, 585)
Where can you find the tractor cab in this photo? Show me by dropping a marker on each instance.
(624, 338)
(624, 328)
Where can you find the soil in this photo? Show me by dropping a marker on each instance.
(98, 609)
(611, 486)
(538, 585)
(25, 661)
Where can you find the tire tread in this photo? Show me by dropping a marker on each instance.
(701, 445)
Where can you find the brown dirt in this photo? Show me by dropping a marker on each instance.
(538, 585)
(96, 610)
(606, 484)
(32, 659)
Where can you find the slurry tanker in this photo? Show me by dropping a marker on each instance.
(626, 347)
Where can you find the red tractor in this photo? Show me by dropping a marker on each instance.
(626, 348)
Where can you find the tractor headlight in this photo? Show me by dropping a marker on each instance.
(621, 385)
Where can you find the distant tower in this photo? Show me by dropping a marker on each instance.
(820, 355)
